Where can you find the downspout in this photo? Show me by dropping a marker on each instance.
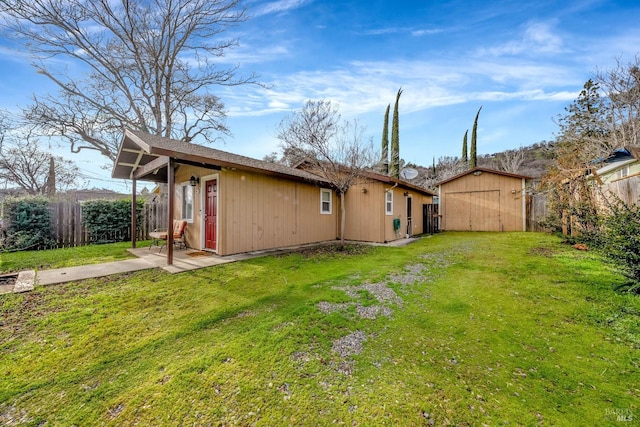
(440, 216)
(524, 206)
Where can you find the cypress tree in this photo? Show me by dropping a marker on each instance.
(50, 188)
(385, 142)
(465, 155)
(473, 158)
(395, 141)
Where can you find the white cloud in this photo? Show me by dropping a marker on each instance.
(537, 38)
(279, 6)
(541, 36)
(398, 30)
(365, 87)
(419, 33)
(381, 31)
(249, 54)
(9, 54)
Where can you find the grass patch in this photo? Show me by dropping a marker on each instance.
(67, 257)
(457, 329)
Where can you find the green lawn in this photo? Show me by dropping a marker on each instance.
(457, 329)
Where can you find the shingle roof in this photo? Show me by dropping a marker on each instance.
(139, 148)
(479, 169)
(376, 176)
(401, 183)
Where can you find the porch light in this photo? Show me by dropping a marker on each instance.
(193, 181)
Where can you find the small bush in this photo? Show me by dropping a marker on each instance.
(621, 241)
(28, 224)
(109, 221)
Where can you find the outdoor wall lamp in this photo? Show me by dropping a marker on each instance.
(193, 181)
(477, 173)
(406, 194)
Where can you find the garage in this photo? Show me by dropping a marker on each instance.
(483, 200)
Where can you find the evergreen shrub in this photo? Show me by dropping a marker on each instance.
(28, 224)
(109, 221)
(621, 242)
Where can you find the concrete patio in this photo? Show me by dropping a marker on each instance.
(187, 259)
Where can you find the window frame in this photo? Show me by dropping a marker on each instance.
(623, 172)
(324, 191)
(388, 203)
(183, 202)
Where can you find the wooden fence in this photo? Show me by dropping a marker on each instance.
(537, 211)
(430, 218)
(627, 190)
(68, 228)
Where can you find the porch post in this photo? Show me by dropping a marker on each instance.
(172, 196)
(134, 214)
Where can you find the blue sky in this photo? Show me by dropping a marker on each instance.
(523, 62)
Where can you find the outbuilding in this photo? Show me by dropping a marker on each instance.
(234, 204)
(482, 199)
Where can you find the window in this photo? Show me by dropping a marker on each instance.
(325, 201)
(389, 202)
(622, 173)
(186, 193)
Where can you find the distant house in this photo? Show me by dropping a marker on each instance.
(236, 204)
(623, 163)
(483, 199)
(618, 176)
(83, 195)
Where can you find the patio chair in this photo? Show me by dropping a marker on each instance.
(179, 227)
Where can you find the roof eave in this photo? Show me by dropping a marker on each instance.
(481, 169)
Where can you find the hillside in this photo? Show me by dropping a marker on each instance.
(537, 158)
(532, 161)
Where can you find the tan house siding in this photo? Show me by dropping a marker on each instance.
(365, 212)
(400, 211)
(484, 202)
(366, 218)
(264, 212)
(258, 212)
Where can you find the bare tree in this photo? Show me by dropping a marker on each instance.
(144, 64)
(448, 167)
(621, 86)
(605, 116)
(23, 165)
(334, 149)
(511, 160)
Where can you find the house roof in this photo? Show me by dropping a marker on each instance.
(479, 169)
(138, 149)
(401, 183)
(620, 162)
(380, 177)
(634, 150)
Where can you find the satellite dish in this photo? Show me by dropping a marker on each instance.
(408, 173)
